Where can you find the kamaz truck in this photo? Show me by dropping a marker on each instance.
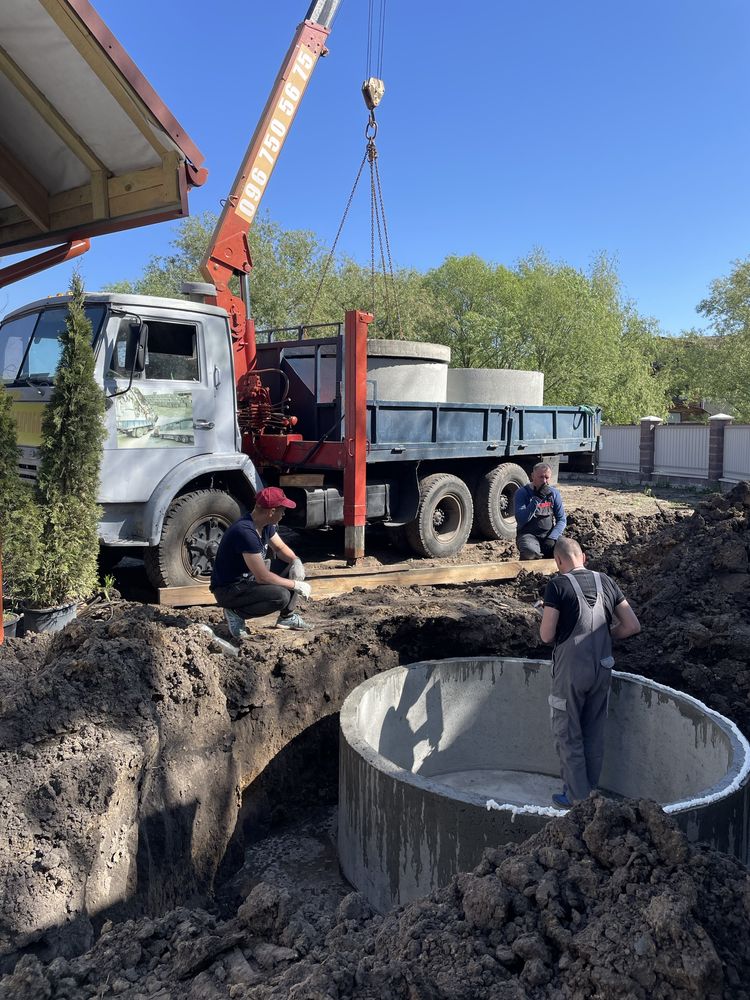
(201, 411)
(310, 419)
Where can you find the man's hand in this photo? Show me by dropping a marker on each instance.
(296, 570)
(303, 588)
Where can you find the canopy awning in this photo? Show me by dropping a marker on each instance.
(86, 145)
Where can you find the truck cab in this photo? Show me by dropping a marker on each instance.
(172, 463)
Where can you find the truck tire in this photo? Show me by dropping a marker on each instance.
(190, 536)
(444, 516)
(494, 511)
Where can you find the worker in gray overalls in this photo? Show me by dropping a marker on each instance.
(583, 612)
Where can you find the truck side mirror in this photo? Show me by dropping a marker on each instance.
(135, 359)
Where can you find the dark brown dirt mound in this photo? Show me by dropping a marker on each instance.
(113, 758)
(609, 901)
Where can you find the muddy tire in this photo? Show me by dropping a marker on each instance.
(190, 537)
(494, 515)
(444, 517)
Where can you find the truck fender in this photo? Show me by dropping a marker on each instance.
(404, 493)
(178, 477)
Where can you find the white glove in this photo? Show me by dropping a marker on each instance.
(303, 588)
(296, 570)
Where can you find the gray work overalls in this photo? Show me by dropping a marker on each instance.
(581, 676)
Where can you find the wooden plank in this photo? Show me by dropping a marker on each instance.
(25, 190)
(335, 583)
(99, 199)
(154, 189)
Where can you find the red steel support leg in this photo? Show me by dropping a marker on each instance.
(355, 434)
(40, 261)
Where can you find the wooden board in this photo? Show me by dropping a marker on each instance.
(333, 583)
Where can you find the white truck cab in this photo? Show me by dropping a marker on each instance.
(173, 475)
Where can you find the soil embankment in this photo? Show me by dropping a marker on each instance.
(123, 744)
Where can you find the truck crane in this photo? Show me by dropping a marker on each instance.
(277, 407)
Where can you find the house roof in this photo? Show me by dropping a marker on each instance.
(86, 144)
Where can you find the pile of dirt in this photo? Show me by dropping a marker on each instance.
(114, 740)
(124, 745)
(608, 901)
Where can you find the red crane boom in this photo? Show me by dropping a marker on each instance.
(229, 252)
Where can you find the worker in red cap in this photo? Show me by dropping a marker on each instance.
(246, 582)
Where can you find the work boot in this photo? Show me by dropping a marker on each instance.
(235, 624)
(562, 800)
(294, 622)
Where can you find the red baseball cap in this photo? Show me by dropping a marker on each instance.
(273, 496)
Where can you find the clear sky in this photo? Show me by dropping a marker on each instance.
(580, 127)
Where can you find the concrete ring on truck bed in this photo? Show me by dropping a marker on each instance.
(446, 757)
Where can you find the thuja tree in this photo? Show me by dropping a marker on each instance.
(20, 522)
(70, 461)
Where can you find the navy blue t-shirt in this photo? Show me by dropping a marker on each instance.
(239, 538)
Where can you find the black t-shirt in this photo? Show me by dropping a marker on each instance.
(239, 538)
(559, 594)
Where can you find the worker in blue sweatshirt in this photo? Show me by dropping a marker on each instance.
(540, 518)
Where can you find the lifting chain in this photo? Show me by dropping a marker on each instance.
(372, 90)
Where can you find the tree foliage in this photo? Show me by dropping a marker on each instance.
(69, 463)
(719, 366)
(574, 326)
(20, 520)
(292, 282)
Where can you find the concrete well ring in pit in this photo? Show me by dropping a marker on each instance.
(443, 758)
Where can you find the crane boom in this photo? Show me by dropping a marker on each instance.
(229, 252)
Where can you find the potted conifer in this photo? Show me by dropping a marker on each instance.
(66, 489)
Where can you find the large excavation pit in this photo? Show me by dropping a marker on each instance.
(441, 759)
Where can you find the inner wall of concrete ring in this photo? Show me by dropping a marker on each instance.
(402, 833)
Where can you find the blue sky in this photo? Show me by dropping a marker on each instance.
(580, 127)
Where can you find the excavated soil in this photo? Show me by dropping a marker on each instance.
(138, 766)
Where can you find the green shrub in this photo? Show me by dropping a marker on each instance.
(55, 529)
(20, 518)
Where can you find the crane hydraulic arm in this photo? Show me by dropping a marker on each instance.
(229, 252)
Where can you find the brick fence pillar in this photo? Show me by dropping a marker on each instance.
(648, 426)
(716, 427)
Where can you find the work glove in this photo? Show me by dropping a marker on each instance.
(303, 588)
(296, 570)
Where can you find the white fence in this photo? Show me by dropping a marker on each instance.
(620, 449)
(736, 453)
(697, 453)
(681, 450)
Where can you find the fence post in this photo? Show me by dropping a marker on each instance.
(716, 426)
(647, 446)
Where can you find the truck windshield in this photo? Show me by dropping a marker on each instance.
(30, 345)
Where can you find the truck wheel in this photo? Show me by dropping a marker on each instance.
(494, 509)
(190, 537)
(444, 516)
